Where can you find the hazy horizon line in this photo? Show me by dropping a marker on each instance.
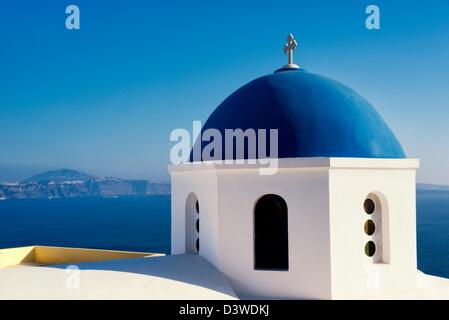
(42, 170)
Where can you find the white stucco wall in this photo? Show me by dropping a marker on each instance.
(353, 273)
(203, 183)
(306, 194)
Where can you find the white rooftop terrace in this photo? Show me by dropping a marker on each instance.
(163, 277)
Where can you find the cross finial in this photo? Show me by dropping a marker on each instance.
(288, 49)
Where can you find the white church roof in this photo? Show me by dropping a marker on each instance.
(165, 277)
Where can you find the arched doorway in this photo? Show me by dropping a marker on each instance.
(271, 233)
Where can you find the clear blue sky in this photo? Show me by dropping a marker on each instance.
(104, 99)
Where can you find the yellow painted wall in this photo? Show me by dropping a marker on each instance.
(14, 256)
(41, 255)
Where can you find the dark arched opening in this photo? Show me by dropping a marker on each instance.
(271, 233)
(192, 224)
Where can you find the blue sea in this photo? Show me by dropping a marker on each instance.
(143, 224)
(123, 223)
(432, 219)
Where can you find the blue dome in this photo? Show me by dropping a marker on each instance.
(315, 117)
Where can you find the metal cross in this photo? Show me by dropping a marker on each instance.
(289, 47)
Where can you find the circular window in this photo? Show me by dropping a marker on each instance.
(370, 227)
(370, 248)
(197, 206)
(197, 245)
(369, 206)
(198, 225)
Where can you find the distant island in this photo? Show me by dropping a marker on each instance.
(68, 183)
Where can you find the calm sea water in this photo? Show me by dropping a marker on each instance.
(124, 223)
(143, 224)
(433, 232)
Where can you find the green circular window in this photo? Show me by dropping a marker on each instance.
(370, 227)
(369, 206)
(370, 248)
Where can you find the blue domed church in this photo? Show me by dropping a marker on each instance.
(297, 188)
